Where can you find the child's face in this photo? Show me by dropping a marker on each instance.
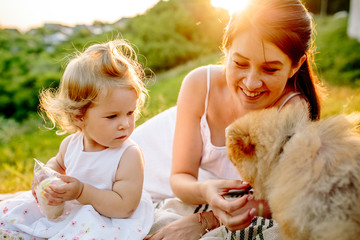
(257, 71)
(110, 121)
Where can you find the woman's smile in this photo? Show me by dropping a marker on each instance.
(251, 94)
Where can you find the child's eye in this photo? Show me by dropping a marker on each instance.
(111, 116)
(130, 113)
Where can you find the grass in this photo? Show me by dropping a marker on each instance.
(338, 57)
(341, 99)
(20, 143)
(164, 88)
(17, 157)
(21, 146)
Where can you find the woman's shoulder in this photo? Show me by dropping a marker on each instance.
(193, 91)
(198, 77)
(292, 98)
(203, 71)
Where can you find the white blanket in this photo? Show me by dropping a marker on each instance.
(155, 137)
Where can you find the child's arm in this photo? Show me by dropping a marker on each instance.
(122, 200)
(125, 196)
(57, 163)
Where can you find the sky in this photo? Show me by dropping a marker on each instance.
(27, 14)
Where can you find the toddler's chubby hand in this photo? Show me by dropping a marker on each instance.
(50, 208)
(44, 190)
(70, 189)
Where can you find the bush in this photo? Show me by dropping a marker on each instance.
(167, 35)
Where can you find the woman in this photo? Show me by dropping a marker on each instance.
(268, 63)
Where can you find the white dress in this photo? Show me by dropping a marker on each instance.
(21, 218)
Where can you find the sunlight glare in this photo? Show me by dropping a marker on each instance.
(230, 5)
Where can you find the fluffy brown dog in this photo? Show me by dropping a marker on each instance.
(309, 172)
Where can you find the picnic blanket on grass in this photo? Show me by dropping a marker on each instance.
(172, 209)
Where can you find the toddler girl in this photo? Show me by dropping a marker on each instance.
(99, 97)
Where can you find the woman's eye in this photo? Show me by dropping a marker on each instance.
(239, 64)
(270, 70)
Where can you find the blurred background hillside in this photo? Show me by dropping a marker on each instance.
(171, 38)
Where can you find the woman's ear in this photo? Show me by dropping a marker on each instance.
(296, 68)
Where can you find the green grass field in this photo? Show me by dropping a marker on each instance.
(20, 143)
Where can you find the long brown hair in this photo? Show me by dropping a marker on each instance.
(288, 25)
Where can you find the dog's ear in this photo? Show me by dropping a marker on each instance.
(238, 141)
(246, 146)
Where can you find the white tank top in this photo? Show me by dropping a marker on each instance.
(214, 158)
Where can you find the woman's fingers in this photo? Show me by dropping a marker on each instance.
(236, 184)
(242, 221)
(237, 222)
(229, 206)
(235, 214)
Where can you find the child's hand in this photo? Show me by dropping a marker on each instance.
(38, 177)
(71, 190)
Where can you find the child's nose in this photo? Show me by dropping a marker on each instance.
(123, 123)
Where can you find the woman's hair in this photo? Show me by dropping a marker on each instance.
(288, 25)
(100, 67)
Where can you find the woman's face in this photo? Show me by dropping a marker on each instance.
(256, 71)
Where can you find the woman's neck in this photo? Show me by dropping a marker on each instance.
(286, 92)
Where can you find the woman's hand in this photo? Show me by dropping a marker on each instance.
(57, 194)
(242, 211)
(189, 228)
(236, 213)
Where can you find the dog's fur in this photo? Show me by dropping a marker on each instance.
(308, 171)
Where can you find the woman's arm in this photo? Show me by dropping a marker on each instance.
(187, 146)
(190, 227)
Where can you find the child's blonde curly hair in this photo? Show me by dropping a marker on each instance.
(101, 66)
